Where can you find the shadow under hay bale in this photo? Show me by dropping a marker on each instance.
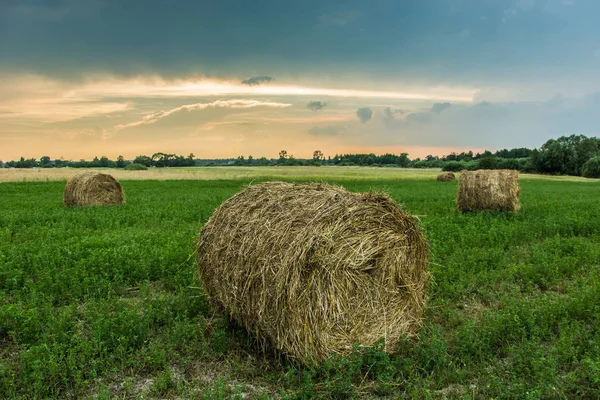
(446, 177)
(93, 189)
(488, 190)
(311, 269)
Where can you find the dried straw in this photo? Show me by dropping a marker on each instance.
(93, 189)
(312, 269)
(446, 177)
(488, 190)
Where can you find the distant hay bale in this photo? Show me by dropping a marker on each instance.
(311, 269)
(93, 189)
(446, 177)
(488, 190)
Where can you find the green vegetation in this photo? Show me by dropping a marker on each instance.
(104, 302)
(135, 167)
(591, 168)
(567, 155)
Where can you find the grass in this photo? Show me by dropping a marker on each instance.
(250, 173)
(231, 173)
(104, 302)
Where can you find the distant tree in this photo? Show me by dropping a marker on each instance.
(164, 159)
(120, 162)
(450, 157)
(240, 161)
(190, 162)
(283, 155)
(44, 161)
(403, 161)
(554, 157)
(263, 161)
(26, 163)
(486, 153)
(317, 155)
(565, 155)
(144, 160)
(106, 163)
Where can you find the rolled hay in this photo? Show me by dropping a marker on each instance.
(311, 269)
(488, 190)
(93, 189)
(446, 177)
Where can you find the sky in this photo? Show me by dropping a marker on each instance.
(219, 79)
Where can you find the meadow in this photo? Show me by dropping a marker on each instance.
(105, 302)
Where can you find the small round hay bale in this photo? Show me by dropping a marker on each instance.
(312, 269)
(93, 189)
(446, 177)
(488, 190)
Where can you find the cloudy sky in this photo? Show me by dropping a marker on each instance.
(224, 78)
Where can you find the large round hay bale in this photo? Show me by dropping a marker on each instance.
(446, 177)
(93, 189)
(312, 269)
(488, 190)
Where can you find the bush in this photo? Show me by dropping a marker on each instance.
(135, 167)
(488, 163)
(508, 163)
(591, 168)
(452, 166)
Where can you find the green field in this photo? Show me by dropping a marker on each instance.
(104, 302)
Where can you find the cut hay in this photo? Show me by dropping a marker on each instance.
(488, 190)
(313, 269)
(93, 189)
(446, 177)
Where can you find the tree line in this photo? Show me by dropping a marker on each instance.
(568, 155)
(156, 160)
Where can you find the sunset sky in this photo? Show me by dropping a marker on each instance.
(80, 78)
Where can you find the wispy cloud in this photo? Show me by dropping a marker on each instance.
(157, 116)
(56, 110)
(156, 87)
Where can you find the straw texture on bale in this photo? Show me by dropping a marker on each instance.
(446, 177)
(488, 190)
(311, 269)
(93, 189)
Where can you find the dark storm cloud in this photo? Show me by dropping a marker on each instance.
(439, 107)
(257, 80)
(494, 125)
(364, 114)
(316, 105)
(447, 39)
(391, 113)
